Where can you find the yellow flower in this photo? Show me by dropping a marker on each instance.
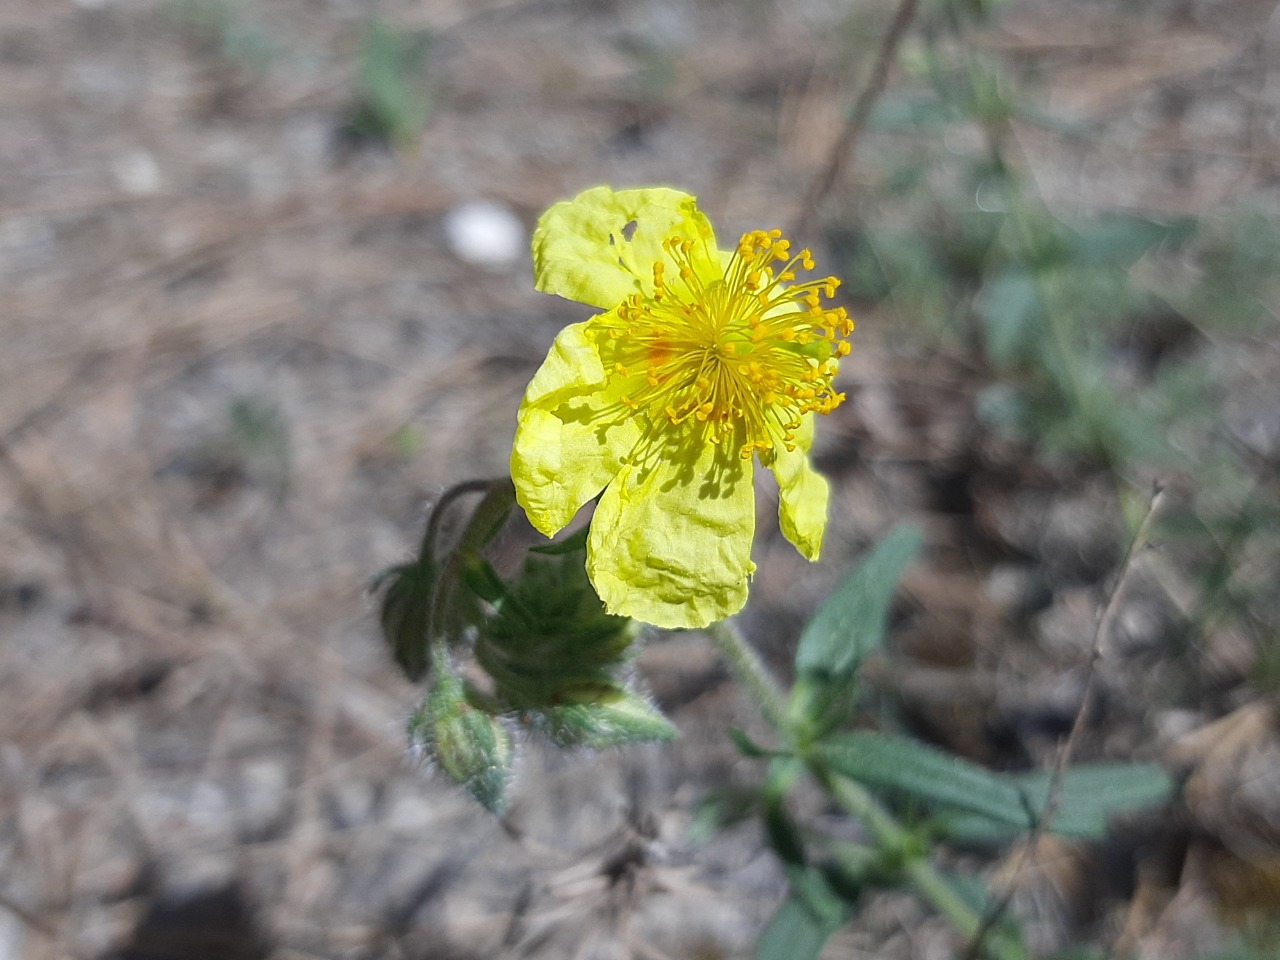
(703, 361)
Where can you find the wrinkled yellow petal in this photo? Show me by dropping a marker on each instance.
(671, 545)
(802, 493)
(567, 446)
(600, 247)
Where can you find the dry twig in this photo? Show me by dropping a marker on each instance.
(1101, 631)
(847, 143)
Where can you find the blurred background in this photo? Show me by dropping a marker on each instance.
(265, 293)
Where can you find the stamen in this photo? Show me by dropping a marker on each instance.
(740, 357)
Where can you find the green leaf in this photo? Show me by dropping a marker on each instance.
(1121, 239)
(1091, 795)
(393, 101)
(851, 622)
(910, 112)
(805, 921)
(782, 833)
(748, 747)
(1009, 317)
(978, 805)
(885, 762)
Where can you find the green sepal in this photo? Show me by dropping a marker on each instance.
(423, 603)
(573, 543)
(405, 612)
(550, 643)
(471, 747)
(614, 718)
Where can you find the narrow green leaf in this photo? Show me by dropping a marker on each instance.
(783, 834)
(805, 921)
(978, 806)
(1091, 796)
(910, 768)
(1121, 239)
(851, 622)
(748, 747)
(903, 112)
(1008, 317)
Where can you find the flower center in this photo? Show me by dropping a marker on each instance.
(738, 360)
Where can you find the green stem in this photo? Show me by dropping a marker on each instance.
(436, 520)
(750, 671)
(928, 883)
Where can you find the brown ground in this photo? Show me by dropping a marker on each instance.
(239, 358)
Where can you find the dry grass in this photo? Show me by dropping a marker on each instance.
(194, 705)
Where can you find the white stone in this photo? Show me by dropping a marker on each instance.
(485, 234)
(138, 174)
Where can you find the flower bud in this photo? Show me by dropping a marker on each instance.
(470, 746)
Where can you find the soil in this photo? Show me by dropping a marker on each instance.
(242, 355)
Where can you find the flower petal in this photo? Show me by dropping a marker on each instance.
(567, 445)
(585, 249)
(670, 542)
(802, 493)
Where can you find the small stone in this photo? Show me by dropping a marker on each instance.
(485, 234)
(138, 174)
(264, 799)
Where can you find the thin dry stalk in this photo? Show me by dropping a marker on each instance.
(846, 144)
(1102, 629)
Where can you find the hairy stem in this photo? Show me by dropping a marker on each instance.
(751, 671)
